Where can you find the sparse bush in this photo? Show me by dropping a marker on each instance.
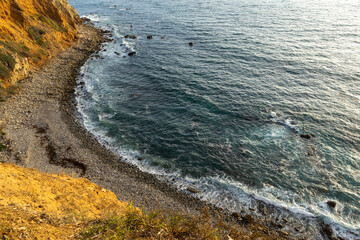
(41, 51)
(11, 90)
(35, 33)
(2, 147)
(7, 60)
(51, 23)
(41, 42)
(19, 48)
(4, 72)
(135, 224)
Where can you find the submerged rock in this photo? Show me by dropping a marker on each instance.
(130, 36)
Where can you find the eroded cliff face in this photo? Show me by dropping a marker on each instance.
(32, 31)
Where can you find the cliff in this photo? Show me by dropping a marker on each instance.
(32, 31)
(35, 205)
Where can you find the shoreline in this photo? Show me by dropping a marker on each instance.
(43, 132)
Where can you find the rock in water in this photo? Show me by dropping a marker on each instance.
(191, 44)
(331, 203)
(305, 136)
(149, 37)
(192, 190)
(131, 53)
(130, 36)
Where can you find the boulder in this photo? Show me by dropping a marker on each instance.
(305, 136)
(327, 230)
(331, 203)
(248, 219)
(236, 215)
(192, 190)
(130, 36)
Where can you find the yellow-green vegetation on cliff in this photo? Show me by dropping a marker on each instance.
(32, 31)
(36, 205)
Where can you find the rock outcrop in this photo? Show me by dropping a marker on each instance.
(32, 31)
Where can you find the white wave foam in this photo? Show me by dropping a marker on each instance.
(96, 18)
(284, 120)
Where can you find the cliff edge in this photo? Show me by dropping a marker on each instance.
(32, 31)
(35, 205)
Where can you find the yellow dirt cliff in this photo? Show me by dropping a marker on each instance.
(35, 205)
(32, 31)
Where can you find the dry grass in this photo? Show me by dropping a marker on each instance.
(6, 93)
(35, 205)
(135, 224)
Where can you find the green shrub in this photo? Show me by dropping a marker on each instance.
(51, 23)
(19, 48)
(11, 90)
(4, 72)
(2, 147)
(134, 224)
(43, 52)
(7, 60)
(41, 42)
(35, 33)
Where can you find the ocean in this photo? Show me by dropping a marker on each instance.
(263, 105)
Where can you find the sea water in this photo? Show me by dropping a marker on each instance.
(227, 115)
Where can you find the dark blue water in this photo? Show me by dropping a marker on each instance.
(226, 115)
